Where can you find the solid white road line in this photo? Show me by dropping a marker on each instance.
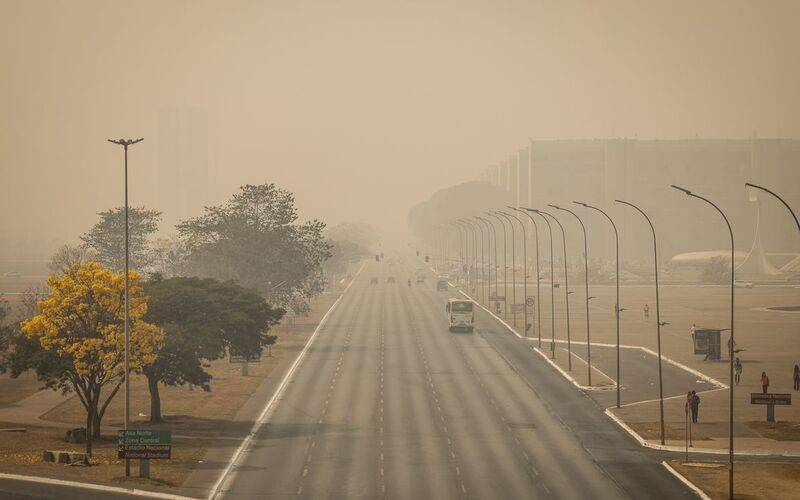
(266, 413)
(92, 486)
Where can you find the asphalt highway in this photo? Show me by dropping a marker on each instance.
(387, 403)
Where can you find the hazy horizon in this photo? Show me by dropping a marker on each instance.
(360, 104)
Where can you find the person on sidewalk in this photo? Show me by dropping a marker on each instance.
(695, 406)
(737, 367)
(646, 311)
(688, 402)
(797, 377)
(764, 382)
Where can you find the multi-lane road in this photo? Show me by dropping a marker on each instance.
(388, 403)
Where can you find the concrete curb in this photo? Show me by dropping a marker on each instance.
(93, 486)
(617, 420)
(700, 493)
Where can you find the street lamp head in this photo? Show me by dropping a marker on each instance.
(580, 203)
(126, 142)
(554, 206)
(682, 189)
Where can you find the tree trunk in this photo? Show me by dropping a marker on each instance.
(96, 425)
(89, 430)
(155, 400)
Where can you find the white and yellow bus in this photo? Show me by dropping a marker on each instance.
(460, 314)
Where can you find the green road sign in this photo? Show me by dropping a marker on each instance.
(144, 443)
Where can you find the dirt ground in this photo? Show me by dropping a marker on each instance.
(197, 418)
(751, 479)
(13, 390)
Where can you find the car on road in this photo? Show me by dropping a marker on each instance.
(390, 279)
(442, 285)
(460, 314)
(373, 281)
(743, 284)
(420, 279)
(12, 274)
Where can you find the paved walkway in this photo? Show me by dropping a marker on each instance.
(29, 411)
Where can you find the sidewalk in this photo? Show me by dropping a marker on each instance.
(28, 411)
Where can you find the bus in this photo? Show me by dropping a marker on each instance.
(460, 314)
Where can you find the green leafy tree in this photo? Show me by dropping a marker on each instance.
(202, 319)
(106, 239)
(75, 343)
(256, 240)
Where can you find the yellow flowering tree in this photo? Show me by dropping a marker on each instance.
(77, 340)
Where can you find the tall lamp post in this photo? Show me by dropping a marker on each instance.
(483, 263)
(658, 315)
(616, 305)
(460, 241)
(586, 273)
(125, 143)
(468, 223)
(552, 285)
(513, 265)
(494, 236)
(505, 264)
(488, 277)
(538, 292)
(731, 384)
(524, 272)
(566, 285)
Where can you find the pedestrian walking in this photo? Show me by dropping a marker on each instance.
(646, 311)
(764, 382)
(797, 377)
(695, 406)
(693, 330)
(737, 367)
(688, 402)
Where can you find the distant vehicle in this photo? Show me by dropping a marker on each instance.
(12, 274)
(373, 281)
(420, 278)
(442, 285)
(743, 284)
(390, 279)
(460, 314)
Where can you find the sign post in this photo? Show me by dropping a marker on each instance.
(782, 399)
(244, 360)
(144, 444)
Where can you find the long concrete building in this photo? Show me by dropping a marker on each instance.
(599, 171)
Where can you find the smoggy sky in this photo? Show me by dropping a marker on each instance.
(362, 108)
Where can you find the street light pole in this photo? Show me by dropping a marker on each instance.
(483, 263)
(488, 277)
(658, 315)
(513, 267)
(460, 241)
(779, 199)
(616, 306)
(505, 264)
(524, 272)
(538, 292)
(586, 272)
(494, 236)
(552, 285)
(733, 267)
(125, 143)
(468, 223)
(566, 286)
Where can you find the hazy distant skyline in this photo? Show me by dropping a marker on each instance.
(364, 108)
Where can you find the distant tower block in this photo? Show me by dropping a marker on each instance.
(756, 261)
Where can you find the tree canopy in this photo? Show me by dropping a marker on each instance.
(256, 240)
(202, 318)
(106, 239)
(76, 342)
